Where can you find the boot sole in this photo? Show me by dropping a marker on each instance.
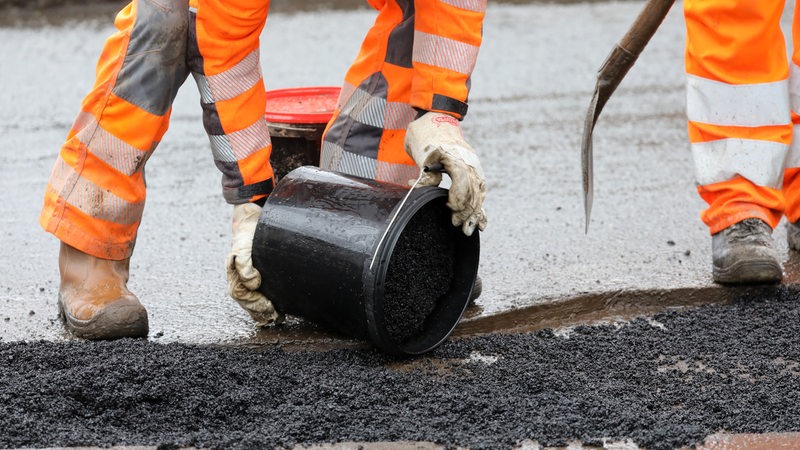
(749, 272)
(115, 322)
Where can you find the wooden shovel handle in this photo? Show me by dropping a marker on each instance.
(645, 26)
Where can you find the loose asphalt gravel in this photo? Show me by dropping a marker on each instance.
(663, 382)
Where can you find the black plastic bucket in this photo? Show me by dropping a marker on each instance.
(296, 118)
(316, 247)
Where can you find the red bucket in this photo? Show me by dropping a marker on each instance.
(296, 118)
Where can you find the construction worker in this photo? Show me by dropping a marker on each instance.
(399, 110)
(743, 98)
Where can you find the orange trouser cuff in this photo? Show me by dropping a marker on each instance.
(75, 228)
(730, 202)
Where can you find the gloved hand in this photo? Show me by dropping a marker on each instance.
(436, 138)
(243, 278)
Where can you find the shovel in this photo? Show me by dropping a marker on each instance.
(609, 76)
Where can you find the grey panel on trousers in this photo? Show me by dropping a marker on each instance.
(155, 63)
(231, 176)
(211, 119)
(344, 127)
(401, 40)
(363, 140)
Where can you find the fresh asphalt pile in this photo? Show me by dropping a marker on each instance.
(663, 382)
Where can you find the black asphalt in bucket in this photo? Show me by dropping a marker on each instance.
(318, 248)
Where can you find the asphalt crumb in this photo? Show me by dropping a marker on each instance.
(420, 272)
(663, 382)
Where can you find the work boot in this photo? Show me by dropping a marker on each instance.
(477, 288)
(94, 300)
(793, 235)
(745, 253)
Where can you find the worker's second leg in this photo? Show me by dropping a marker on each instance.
(367, 132)
(224, 50)
(791, 194)
(791, 177)
(418, 56)
(224, 58)
(365, 136)
(739, 130)
(96, 192)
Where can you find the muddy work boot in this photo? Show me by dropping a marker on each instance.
(94, 300)
(745, 253)
(477, 289)
(793, 235)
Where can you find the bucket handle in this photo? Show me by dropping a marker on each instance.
(438, 167)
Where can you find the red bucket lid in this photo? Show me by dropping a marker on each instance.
(301, 105)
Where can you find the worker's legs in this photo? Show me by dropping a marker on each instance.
(224, 58)
(447, 37)
(739, 129)
(96, 192)
(791, 177)
(365, 135)
(418, 54)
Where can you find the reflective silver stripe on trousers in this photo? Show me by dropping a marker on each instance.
(93, 200)
(227, 85)
(759, 161)
(236, 80)
(793, 158)
(377, 112)
(335, 158)
(344, 95)
(745, 105)
(365, 108)
(113, 151)
(239, 145)
(446, 53)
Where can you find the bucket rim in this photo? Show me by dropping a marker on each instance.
(330, 94)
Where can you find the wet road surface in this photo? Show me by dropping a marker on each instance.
(646, 252)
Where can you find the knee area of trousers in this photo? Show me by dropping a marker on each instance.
(239, 20)
(164, 20)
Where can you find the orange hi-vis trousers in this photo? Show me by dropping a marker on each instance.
(743, 98)
(96, 193)
(418, 55)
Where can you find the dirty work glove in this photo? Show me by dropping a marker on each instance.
(435, 138)
(243, 278)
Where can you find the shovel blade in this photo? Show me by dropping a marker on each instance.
(587, 161)
(610, 75)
